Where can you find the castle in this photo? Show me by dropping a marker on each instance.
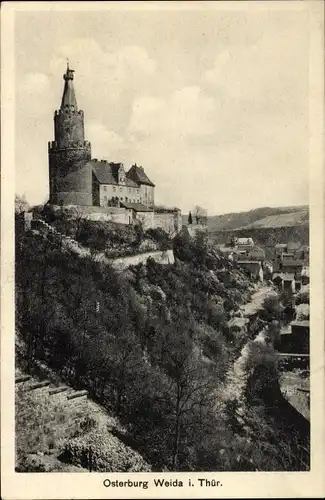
(103, 190)
(76, 178)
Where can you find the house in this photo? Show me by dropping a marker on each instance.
(298, 285)
(286, 262)
(305, 253)
(294, 248)
(289, 282)
(256, 253)
(280, 248)
(140, 214)
(285, 281)
(296, 338)
(292, 266)
(286, 256)
(300, 333)
(249, 252)
(302, 312)
(111, 184)
(244, 243)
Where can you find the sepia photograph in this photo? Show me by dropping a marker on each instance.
(162, 312)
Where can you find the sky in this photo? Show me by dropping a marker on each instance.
(213, 103)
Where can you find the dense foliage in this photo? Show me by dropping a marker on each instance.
(151, 344)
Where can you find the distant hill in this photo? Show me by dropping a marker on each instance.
(260, 217)
(282, 220)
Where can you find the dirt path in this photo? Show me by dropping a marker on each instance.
(237, 375)
(257, 299)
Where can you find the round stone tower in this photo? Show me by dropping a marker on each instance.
(69, 153)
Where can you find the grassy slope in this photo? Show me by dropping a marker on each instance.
(282, 220)
(243, 219)
(45, 425)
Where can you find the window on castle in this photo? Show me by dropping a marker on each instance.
(105, 188)
(105, 198)
(129, 190)
(114, 188)
(121, 189)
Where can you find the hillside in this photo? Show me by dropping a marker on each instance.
(153, 346)
(281, 220)
(58, 429)
(243, 219)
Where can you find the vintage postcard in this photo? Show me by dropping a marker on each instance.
(162, 250)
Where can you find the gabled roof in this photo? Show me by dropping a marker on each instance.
(293, 245)
(284, 276)
(137, 207)
(277, 275)
(248, 262)
(292, 263)
(244, 241)
(304, 323)
(138, 175)
(288, 276)
(107, 173)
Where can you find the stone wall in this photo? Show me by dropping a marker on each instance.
(105, 214)
(165, 257)
(171, 222)
(108, 214)
(146, 219)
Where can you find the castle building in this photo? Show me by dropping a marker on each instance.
(76, 178)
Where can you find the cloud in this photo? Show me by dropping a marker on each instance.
(186, 112)
(34, 83)
(106, 144)
(269, 71)
(33, 94)
(217, 114)
(108, 72)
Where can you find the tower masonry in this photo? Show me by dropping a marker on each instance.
(69, 153)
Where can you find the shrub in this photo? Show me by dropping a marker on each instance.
(102, 452)
(159, 236)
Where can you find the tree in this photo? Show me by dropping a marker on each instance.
(190, 220)
(21, 204)
(188, 394)
(201, 215)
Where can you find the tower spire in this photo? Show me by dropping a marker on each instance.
(69, 97)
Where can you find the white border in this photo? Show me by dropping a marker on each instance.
(244, 485)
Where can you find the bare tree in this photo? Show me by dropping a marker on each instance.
(201, 215)
(21, 204)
